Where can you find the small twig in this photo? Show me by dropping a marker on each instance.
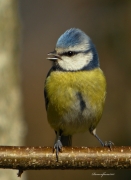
(20, 171)
(35, 158)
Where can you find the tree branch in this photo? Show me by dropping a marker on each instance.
(35, 158)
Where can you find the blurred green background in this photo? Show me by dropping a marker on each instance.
(108, 23)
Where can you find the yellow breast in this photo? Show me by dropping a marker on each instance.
(66, 91)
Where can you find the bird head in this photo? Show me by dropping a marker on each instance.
(74, 51)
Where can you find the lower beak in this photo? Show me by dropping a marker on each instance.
(54, 56)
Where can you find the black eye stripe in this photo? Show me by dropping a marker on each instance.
(72, 53)
(69, 53)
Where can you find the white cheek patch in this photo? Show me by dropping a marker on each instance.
(76, 62)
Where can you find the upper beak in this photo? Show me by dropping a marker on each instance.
(54, 56)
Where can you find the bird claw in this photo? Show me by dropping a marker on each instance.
(108, 144)
(57, 148)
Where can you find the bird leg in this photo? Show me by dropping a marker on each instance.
(104, 144)
(58, 145)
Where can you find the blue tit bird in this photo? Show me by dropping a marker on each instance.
(75, 88)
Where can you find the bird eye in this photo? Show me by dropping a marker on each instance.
(70, 53)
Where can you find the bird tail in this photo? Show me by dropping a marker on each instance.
(66, 140)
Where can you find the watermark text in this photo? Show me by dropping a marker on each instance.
(102, 174)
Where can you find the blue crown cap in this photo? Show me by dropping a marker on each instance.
(71, 38)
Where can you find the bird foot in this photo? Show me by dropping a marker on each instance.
(108, 144)
(57, 148)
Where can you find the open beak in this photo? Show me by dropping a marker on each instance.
(53, 56)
